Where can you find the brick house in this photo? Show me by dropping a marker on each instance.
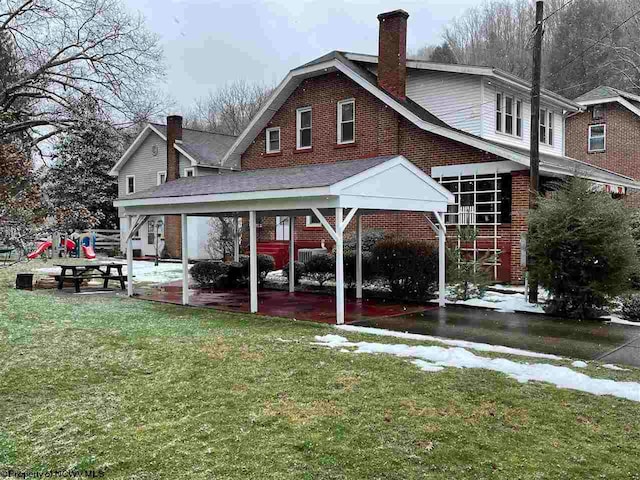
(606, 133)
(467, 127)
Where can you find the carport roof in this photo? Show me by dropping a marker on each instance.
(306, 176)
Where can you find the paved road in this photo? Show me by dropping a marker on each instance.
(588, 340)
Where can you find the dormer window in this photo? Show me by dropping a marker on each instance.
(546, 127)
(508, 115)
(273, 140)
(131, 184)
(190, 172)
(303, 128)
(346, 121)
(162, 177)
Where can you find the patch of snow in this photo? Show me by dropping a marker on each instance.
(482, 347)
(502, 302)
(427, 366)
(620, 321)
(562, 377)
(615, 367)
(579, 364)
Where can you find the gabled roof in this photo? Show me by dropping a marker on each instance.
(337, 62)
(605, 94)
(486, 71)
(204, 149)
(378, 183)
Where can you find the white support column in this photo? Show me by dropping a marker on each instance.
(130, 258)
(292, 254)
(185, 260)
(358, 257)
(442, 285)
(236, 240)
(339, 268)
(253, 262)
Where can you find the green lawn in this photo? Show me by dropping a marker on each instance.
(143, 390)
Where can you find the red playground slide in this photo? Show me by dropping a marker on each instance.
(44, 246)
(88, 252)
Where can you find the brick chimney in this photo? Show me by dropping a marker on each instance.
(392, 52)
(174, 132)
(172, 224)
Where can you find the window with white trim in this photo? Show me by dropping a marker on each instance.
(346, 121)
(162, 177)
(508, 115)
(273, 140)
(313, 221)
(479, 199)
(303, 128)
(546, 126)
(131, 184)
(597, 138)
(190, 172)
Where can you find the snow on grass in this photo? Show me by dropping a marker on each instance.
(502, 302)
(579, 364)
(615, 367)
(621, 321)
(482, 347)
(430, 357)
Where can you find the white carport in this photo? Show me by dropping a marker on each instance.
(346, 190)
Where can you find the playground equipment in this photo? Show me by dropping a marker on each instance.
(44, 246)
(87, 247)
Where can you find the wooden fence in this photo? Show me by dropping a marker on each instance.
(107, 239)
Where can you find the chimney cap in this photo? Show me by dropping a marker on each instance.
(174, 117)
(393, 13)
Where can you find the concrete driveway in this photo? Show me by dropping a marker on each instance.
(588, 340)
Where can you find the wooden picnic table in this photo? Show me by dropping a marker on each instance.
(90, 270)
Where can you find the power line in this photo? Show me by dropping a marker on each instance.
(609, 33)
(556, 10)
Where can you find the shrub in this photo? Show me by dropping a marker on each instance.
(468, 276)
(369, 239)
(237, 275)
(320, 268)
(630, 307)
(349, 259)
(209, 273)
(583, 249)
(266, 264)
(299, 271)
(410, 267)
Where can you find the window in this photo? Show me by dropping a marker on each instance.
(597, 138)
(546, 126)
(162, 177)
(346, 121)
(303, 127)
(313, 221)
(508, 115)
(479, 200)
(190, 172)
(273, 140)
(131, 184)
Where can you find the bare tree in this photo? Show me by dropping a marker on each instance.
(228, 109)
(59, 50)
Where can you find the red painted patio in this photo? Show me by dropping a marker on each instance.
(308, 306)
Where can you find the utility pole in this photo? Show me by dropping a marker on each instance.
(534, 168)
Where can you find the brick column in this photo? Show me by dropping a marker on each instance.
(172, 224)
(519, 218)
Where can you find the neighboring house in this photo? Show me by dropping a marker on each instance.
(607, 132)
(465, 126)
(145, 165)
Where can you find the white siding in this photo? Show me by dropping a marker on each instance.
(454, 98)
(489, 121)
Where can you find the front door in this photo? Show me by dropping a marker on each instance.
(282, 228)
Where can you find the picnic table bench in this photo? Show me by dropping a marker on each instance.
(90, 270)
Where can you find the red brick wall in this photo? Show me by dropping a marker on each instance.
(379, 131)
(623, 140)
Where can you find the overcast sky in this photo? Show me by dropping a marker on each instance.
(210, 43)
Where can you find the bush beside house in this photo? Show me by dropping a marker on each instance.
(583, 249)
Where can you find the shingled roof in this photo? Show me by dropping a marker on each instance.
(287, 178)
(604, 92)
(206, 148)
